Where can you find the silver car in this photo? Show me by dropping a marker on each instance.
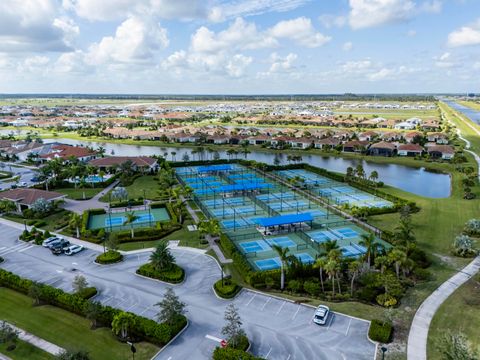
(321, 315)
(48, 241)
(73, 249)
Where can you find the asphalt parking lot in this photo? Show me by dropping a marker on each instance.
(278, 328)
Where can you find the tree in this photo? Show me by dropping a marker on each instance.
(121, 324)
(8, 335)
(161, 259)
(186, 157)
(455, 346)
(353, 269)
(209, 227)
(464, 246)
(397, 257)
(233, 328)
(101, 151)
(170, 307)
(92, 312)
(284, 259)
(130, 219)
(35, 291)
(76, 222)
(73, 355)
(331, 269)
(119, 193)
(382, 262)
(320, 265)
(79, 283)
(374, 176)
(369, 242)
(112, 242)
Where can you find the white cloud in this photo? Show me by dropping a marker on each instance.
(370, 13)
(135, 40)
(476, 65)
(466, 35)
(347, 46)
(299, 30)
(237, 64)
(433, 6)
(411, 33)
(282, 64)
(329, 20)
(357, 66)
(33, 64)
(33, 25)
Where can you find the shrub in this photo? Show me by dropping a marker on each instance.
(472, 227)
(109, 257)
(174, 275)
(380, 331)
(228, 290)
(87, 292)
(311, 287)
(295, 286)
(386, 300)
(232, 354)
(464, 246)
(422, 274)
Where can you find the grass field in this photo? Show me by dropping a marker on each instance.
(66, 329)
(471, 104)
(460, 313)
(145, 183)
(78, 194)
(24, 351)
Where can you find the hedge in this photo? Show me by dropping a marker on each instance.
(175, 275)
(126, 203)
(380, 331)
(87, 293)
(232, 354)
(109, 257)
(171, 213)
(228, 290)
(143, 328)
(147, 234)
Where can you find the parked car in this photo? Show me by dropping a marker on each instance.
(35, 179)
(321, 315)
(48, 241)
(73, 249)
(22, 184)
(60, 247)
(58, 241)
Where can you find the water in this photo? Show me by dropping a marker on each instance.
(472, 114)
(417, 181)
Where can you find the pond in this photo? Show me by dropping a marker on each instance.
(472, 114)
(415, 180)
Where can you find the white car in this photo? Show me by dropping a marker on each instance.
(48, 241)
(321, 315)
(22, 184)
(73, 249)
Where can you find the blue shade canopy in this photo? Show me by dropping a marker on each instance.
(284, 219)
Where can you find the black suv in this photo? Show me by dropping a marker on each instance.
(59, 247)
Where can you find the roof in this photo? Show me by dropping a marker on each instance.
(284, 219)
(444, 149)
(29, 196)
(383, 145)
(67, 151)
(410, 147)
(140, 161)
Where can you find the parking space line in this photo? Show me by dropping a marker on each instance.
(281, 307)
(289, 356)
(253, 297)
(268, 300)
(130, 307)
(24, 249)
(296, 312)
(268, 354)
(348, 327)
(214, 338)
(331, 321)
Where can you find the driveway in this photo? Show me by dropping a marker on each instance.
(79, 206)
(26, 174)
(278, 328)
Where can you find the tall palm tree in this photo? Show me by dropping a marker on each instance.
(398, 257)
(76, 222)
(161, 259)
(353, 268)
(382, 262)
(284, 259)
(320, 265)
(369, 242)
(331, 269)
(210, 227)
(129, 220)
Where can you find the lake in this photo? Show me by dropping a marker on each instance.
(415, 180)
(472, 114)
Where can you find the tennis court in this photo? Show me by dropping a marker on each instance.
(116, 221)
(268, 264)
(255, 246)
(345, 233)
(353, 250)
(321, 236)
(283, 242)
(305, 258)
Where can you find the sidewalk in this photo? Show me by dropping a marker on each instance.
(38, 342)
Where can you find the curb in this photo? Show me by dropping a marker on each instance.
(220, 298)
(172, 340)
(163, 282)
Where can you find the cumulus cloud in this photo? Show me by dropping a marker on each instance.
(135, 40)
(370, 13)
(329, 20)
(282, 64)
(465, 36)
(347, 46)
(33, 25)
(33, 64)
(299, 30)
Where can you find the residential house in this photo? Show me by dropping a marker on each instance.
(382, 148)
(326, 143)
(355, 146)
(445, 152)
(139, 163)
(65, 152)
(391, 136)
(25, 198)
(367, 136)
(438, 137)
(409, 150)
(413, 136)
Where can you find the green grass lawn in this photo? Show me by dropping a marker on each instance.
(471, 104)
(459, 313)
(53, 221)
(78, 194)
(66, 329)
(24, 351)
(145, 183)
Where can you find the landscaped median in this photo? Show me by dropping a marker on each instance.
(162, 266)
(134, 328)
(109, 257)
(226, 288)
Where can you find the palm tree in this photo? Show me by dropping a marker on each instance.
(284, 259)
(130, 219)
(353, 268)
(398, 257)
(382, 262)
(121, 323)
(161, 259)
(76, 222)
(374, 176)
(173, 153)
(360, 171)
(369, 242)
(101, 151)
(331, 269)
(210, 227)
(320, 264)
(329, 245)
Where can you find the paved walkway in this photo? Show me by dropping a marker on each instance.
(79, 206)
(38, 342)
(418, 336)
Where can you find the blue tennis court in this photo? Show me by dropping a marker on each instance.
(120, 220)
(346, 232)
(282, 242)
(353, 250)
(255, 246)
(268, 264)
(344, 189)
(305, 258)
(322, 236)
(362, 197)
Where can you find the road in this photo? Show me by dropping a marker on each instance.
(26, 175)
(279, 329)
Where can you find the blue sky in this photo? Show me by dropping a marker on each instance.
(239, 46)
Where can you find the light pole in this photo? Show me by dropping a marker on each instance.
(384, 350)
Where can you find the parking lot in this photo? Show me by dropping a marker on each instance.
(278, 328)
